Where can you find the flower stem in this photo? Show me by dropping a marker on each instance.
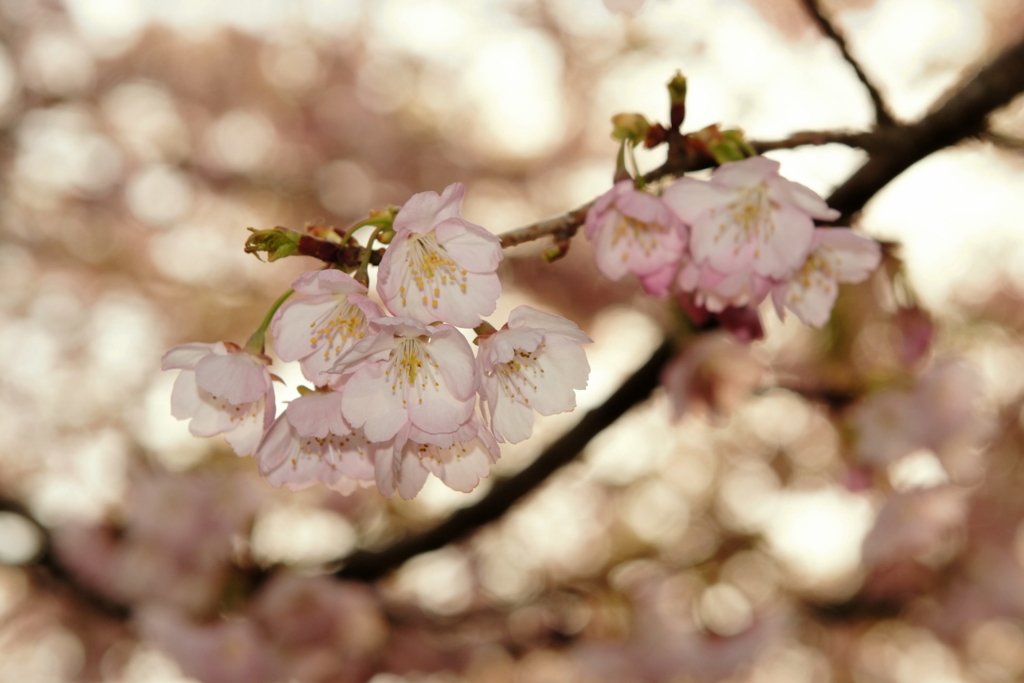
(256, 342)
(364, 264)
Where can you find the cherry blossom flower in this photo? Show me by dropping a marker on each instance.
(459, 460)
(635, 232)
(439, 267)
(534, 363)
(311, 442)
(717, 291)
(326, 319)
(408, 373)
(748, 219)
(222, 390)
(837, 255)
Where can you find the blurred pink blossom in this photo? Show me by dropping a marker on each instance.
(713, 376)
(837, 255)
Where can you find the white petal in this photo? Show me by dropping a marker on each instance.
(318, 414)
(237, 377)
(689, 198)
(185, 356)
(526, 316)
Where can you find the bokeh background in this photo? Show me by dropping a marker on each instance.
(794, 525)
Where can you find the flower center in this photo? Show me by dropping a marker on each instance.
(411, 369)
(519, 376)
(338, 329)
(749, 217)
(429, 268)
(641, 236)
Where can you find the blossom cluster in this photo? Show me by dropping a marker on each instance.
(731, 241)
(398, 393)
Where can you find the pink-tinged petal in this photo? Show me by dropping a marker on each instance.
(659, 283)
(411, 476)
(318, 415)
(511, 421)
(185, 396)
(185, 356)
(460, 468)
(462, 308)
(851, 257)
(212, 418)
(779, 299)
(237, 377)
(367, 403)
(501, 347)
(472, 247)
(788, 247)
(802, 197)
(611, 254)
(718, 241)
(317, 282)
(390, 280)
(454, 358)
(245, 437)
(370, 349)
(280, 443)
(422, 211)
(811, 298)
(746, 173)
(689, 198)
(527, 316)
(596, 214)
(434, 410)
(294, 327)
(355, 457)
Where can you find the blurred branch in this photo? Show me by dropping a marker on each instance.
(882, 116)
(869, 142)
(50, 572)
(1002, 141)
(367, 566)
(962, 115)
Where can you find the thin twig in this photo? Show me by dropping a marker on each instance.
(367, 566)
(882, 115)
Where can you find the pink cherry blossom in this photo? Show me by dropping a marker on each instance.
(534, 363)
(439, 267)
(717, 291)
(748, 219)
(408, 373)
(636, 232)
(326, 319)
(222, 390)
(837, 255)
(311, 442)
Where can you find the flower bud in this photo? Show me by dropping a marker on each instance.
(677, 99)
(632, 127)
(277, 242)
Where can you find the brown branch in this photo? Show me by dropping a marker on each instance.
(870, 142)
(367, 566)
(964, 114)
(882, 115)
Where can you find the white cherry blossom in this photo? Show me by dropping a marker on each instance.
(408, 373)
(534, 363)
(327, 318)
(222, 389)
(311, 442)
(439, 267)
